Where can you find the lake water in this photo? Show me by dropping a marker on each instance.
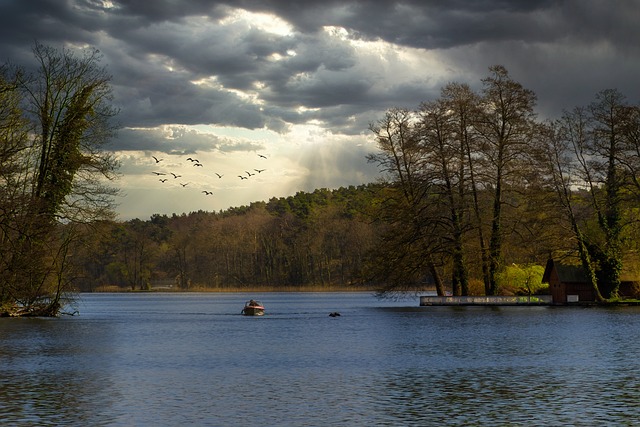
(167, 359)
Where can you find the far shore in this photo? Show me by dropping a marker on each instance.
(256, 289)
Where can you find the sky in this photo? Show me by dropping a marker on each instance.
(289, 88)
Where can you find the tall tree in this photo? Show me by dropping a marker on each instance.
(566, 164)
(602, 140)
(412, 240)
(67, 101)
(464, 105)
(506, 127)
(446, 139)
(607, 141)
(14, 145)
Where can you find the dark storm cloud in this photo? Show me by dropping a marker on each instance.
(427, 23)
(174, 63)
(440, 24)
(170, 140)
(177, 140)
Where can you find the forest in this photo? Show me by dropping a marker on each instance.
(318, 239)
(475, 193)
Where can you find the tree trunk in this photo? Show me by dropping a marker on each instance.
(436, 277)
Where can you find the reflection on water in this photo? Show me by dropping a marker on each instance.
(47, 375)
(191, 359)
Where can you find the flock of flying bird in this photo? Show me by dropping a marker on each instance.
(196, 163)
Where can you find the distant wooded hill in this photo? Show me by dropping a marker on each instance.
(321, 238)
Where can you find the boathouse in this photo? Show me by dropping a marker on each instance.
(569, 284)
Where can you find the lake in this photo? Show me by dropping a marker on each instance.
(171, 359)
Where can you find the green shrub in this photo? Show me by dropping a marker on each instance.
(521, 279)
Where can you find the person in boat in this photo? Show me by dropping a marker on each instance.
(253, 303)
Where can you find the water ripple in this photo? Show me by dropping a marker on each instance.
(182, 360)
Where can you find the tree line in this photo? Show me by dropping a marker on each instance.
(474, 190)
(315, 239)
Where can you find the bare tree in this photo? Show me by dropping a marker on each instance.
(506, 129)
(566, 164)
(602, 142)
(412, 240)
(447, 139)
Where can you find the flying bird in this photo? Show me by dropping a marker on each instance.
(184, 185)
(159, 173)
(175, 176)
(242, 177)
(249, 173)
(193, 160)
(260, 155)
(219, 176)
(208, 193)
(162, 180)
(197, 164)
(157, 159)
(259, 170)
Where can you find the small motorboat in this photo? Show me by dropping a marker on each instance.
(253, 308)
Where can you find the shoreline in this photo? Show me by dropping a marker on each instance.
(512, 301)
(257, 289)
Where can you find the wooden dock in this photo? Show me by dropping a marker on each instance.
(486, 300)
